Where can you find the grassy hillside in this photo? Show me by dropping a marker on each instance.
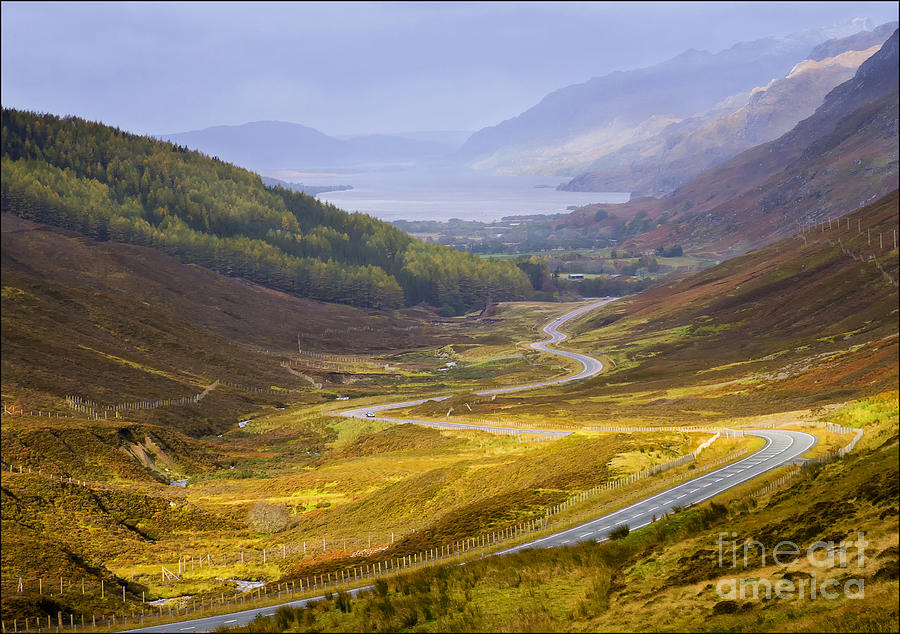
(111, 185)
(786, 334)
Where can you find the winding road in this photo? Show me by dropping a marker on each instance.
(781, 448)
(589, 367)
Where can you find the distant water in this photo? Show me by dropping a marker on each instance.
(442, 195)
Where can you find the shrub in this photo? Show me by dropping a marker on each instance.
(619, 532)
(267, 518)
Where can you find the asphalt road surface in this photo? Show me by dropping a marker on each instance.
(781, 447)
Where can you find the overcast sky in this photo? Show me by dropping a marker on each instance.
(347, 68)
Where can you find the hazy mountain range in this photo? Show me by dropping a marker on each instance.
(841, 157)
(645, 131)
(659, 164)
(574, 126)
(262, 145)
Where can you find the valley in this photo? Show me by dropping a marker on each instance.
(341, 492)
(624, 361)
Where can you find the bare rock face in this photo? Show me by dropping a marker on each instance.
(856, 42)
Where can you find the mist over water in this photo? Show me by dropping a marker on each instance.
(413, 194)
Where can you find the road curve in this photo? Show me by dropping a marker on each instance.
(781, 447)
(589, 367)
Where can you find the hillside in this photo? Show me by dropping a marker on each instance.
(683, 150)
(273, 145)
(573, 126)
(857, 42)
(835, 160)
(148, 327)
(108, 184)
(665, 578)
(799, 324)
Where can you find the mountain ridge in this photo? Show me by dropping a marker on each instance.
(682, 86)
(657, 165)
(285, 145)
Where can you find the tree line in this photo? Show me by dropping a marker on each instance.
(113, 185)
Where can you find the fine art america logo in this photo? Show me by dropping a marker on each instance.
(823, 556)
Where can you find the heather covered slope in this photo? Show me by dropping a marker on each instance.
(806, 321)
(664, 578)
(803, 323)
(785, 334)
(841, 157)
(141, 325)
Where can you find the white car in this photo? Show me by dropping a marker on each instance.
(370, 415)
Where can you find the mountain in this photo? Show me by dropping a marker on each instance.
(574, 125)
(856, 42)
(309, 190)
(264, 145)
(841, 157)
(111, 185)
(451, 138)
(682, 150)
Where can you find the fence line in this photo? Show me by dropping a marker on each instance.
(335, 358)
(876, 241)
(843, 451)
(258, 390)
(777, 483)
(97, 411)
(288, 367)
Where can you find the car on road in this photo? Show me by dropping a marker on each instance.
(370, 415)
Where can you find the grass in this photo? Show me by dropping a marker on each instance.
(874, 410)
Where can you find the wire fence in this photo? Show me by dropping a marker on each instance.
(90, 409)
